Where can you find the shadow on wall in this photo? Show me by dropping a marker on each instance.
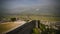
(24, 29)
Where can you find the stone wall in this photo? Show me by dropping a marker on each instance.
(24, 29)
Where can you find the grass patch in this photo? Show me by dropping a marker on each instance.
(7, 26)
(35, 31)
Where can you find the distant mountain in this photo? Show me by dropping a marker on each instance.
(36, 10)
(43, 10)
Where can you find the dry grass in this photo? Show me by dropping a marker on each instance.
(6, 26)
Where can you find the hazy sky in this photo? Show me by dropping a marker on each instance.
(18, 3)
(11, 4)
